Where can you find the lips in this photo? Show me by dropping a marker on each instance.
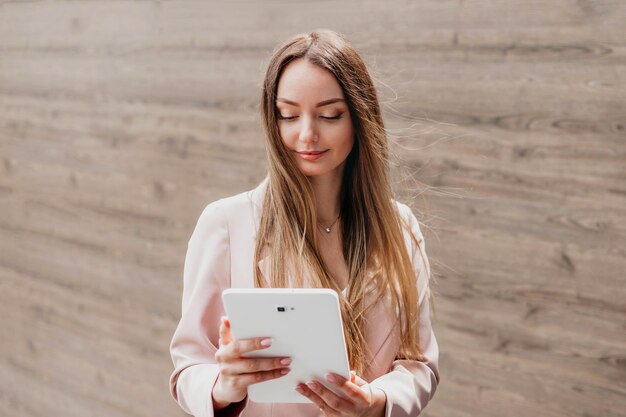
(311, 155)
(311, 152)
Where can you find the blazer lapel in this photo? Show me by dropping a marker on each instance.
(256, 200)
(379, 327)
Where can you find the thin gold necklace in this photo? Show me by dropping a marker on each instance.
(329, 228)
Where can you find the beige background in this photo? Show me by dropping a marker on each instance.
(120, 121)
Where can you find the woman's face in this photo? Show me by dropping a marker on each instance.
(313, 116)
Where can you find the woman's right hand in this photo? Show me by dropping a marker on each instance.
(237, 372)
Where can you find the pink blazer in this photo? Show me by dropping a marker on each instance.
(220, 255)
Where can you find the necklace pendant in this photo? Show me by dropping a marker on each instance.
(327, 229)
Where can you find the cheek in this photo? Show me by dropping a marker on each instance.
(288, 135)
(289, 129)
(347, 138)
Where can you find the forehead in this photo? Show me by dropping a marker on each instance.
(307, 83)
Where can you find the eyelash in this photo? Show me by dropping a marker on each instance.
(327, 118)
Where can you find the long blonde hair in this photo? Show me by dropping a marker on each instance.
(371, 226)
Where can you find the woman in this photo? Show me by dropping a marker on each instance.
(326, 204)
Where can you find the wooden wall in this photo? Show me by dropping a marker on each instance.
(120, 121)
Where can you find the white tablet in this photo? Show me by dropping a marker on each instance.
(305, 324)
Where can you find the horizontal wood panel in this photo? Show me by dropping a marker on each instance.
(120, 121)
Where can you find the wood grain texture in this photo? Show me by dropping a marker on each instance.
(120, 121)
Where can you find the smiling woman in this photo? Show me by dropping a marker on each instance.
(324, 217)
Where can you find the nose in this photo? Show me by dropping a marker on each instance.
(308, 131)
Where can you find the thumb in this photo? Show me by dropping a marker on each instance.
(225, 336)
(357, 379)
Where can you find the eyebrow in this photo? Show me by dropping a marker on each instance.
(320, 104)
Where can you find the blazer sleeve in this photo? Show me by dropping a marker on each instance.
(195, 340)
(411, 384)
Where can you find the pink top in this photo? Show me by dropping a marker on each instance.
(219, 256)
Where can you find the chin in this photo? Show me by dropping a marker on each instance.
(317, 171)
(313, 172)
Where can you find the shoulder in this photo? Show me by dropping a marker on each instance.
(409, 221)
(406, 214)
(404, 210)
(414, 240)
(216, 215)
(221, 209)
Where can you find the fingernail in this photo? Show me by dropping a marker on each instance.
(285, 361)
(300, 390)
(284, 371)
(266, 342)
(312, 385)
(331, 378)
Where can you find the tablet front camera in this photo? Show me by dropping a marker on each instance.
(280, 309)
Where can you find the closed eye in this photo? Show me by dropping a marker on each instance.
(339, 116)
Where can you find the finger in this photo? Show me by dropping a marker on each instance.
(245, 365)
(244, 380)
(350, 390)
(334, 401)
(225, 336)
(241, 346)
(304, 390)
(359, 381)
(354, 378)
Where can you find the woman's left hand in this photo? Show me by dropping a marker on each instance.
(359, 397)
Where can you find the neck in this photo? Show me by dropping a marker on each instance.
(326, 189)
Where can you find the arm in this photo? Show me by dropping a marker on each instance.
(195, 341)
(411, 384)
